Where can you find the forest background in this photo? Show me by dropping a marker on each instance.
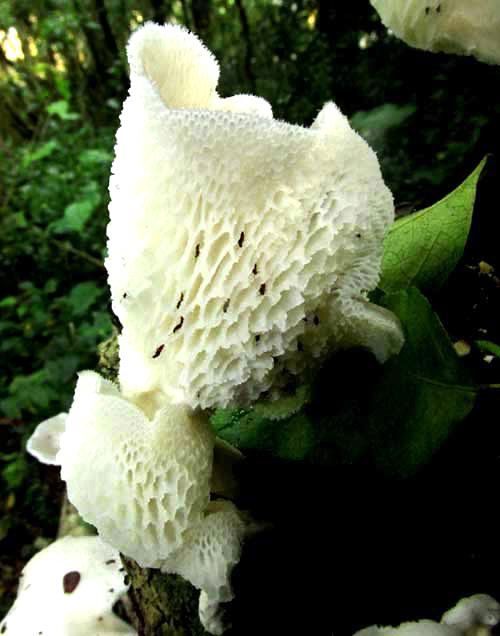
(63, 77)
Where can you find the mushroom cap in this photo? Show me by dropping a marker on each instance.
(69, 589)
(240, 247)
(141, 482)
(45, 441)
(466, 27)
(474, 613)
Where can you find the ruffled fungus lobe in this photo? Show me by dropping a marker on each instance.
(69, 589)
(466, 27)
(45, 441)
(240, 248)
(142, 482)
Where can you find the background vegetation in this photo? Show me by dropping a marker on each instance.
(63, 77)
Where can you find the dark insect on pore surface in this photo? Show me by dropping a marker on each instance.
(180, 301)
(358, 235)
(254, 270)
(241, 239)
(70, 581)
(124, 295)
(262, 289)
(197, 251)
(225, 307)
(179, 324)
(110, 561)
(427, 10)
(316, 321)
(257, 338)
(158, 351)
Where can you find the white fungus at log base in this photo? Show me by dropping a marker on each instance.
(241, 248)
(141, 482)
(472, 616)
(69, 589)
(466, 27)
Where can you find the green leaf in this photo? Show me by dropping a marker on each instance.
(45, 150)
(488, 347)
(82, 296)
(373, 124)
(61, 109)
(423, 392)
(94, 156)
(76, 215)
(423, 248)
(398, 414)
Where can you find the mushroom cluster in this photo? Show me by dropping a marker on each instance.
(240, 252)
(465, 27)
(241, 248)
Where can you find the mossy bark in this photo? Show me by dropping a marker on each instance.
(163, 604)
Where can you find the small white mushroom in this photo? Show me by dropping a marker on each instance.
(241, 248)
(472, 616)
(206, 559)
(45, 441)
(467, 27)
(69, 589)
(141, 481)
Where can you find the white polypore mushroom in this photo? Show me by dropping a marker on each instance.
(467, 27)
(141, 481)
(241, 248)
(472, 616)
(45, 441)
(69, 589)
(206, 559)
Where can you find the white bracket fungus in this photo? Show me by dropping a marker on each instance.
(69, 589)
(45, 441)
(467, 27)
(241, 248)
(472, 616)
(141, 482)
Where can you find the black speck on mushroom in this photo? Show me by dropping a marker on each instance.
(427, 10)
(111, 590)
(197, 250)
(225, 307)
(316, 321)
(127, 579)
(438, 9)
(110, 562)
(254, 270)
(70, 581)
(121, 570)
(262, 289)
(257, 338)
(179, 303)
(124, 295)
(358, 235)
(179, 324)
(241, 239)
(299, 346)
(156, 354)
(3, 629)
